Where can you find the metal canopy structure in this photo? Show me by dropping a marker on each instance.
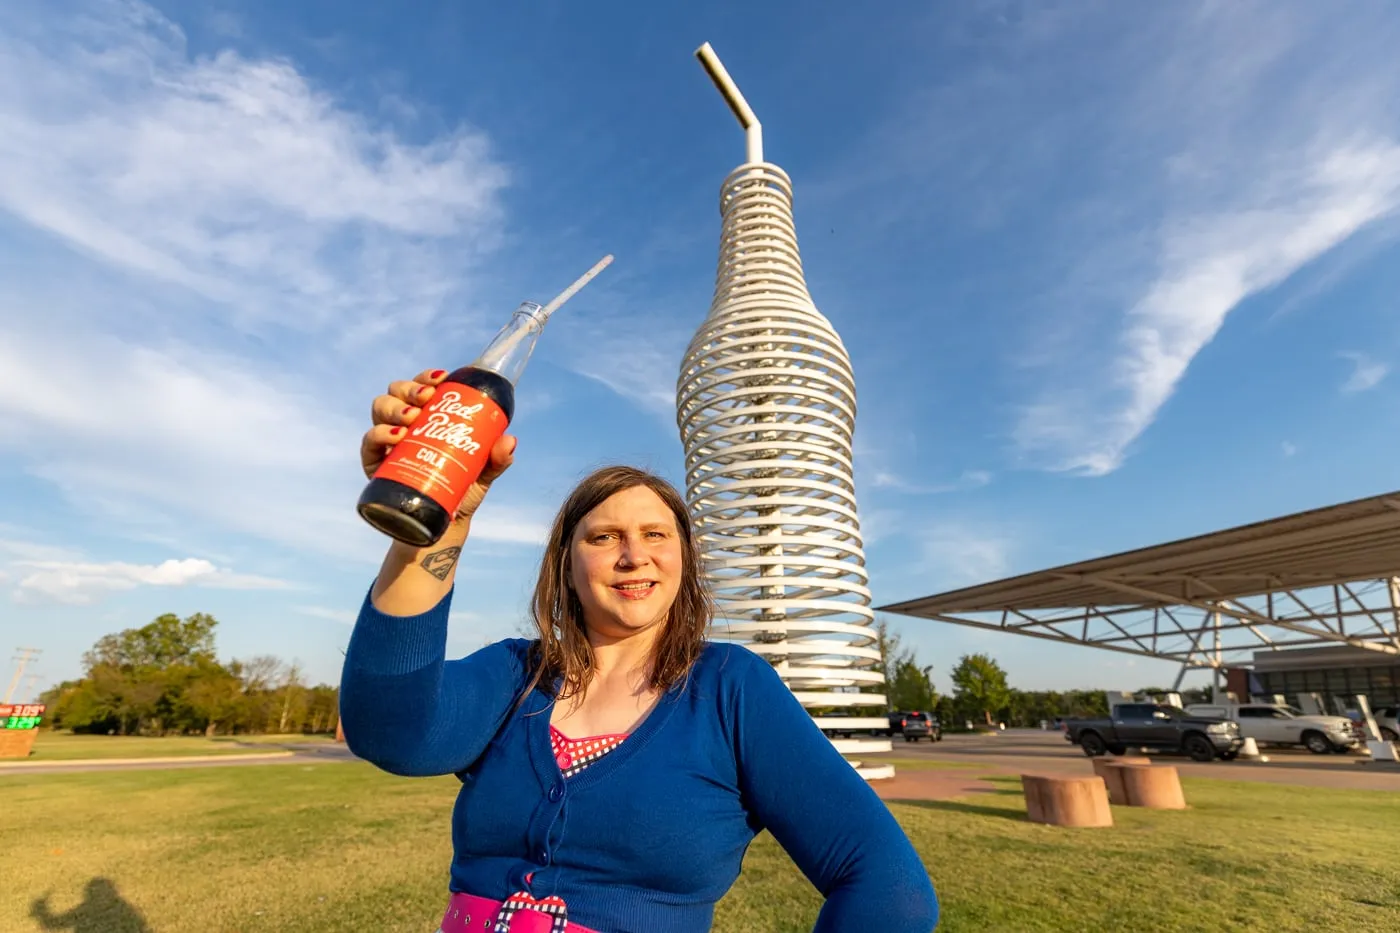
(1329, 576)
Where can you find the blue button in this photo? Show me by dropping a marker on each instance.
(544, 856)
(556, 792)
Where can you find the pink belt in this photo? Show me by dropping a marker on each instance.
(520, 913)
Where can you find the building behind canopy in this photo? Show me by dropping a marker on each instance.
(1304, 604)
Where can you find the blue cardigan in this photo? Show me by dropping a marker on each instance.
(649, 837)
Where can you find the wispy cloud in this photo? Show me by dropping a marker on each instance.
(1202, 154)
(79, 583)
(1271, 148)
(17, 544)
(231, 176)
(1366, 373)
(639, 369)
(1210, 262)
(970, 479)
(230, 203)
(959, 554)
(1288, 449)
(343, 616)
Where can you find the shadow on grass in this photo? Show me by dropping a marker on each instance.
(102, 910)
(957, 806)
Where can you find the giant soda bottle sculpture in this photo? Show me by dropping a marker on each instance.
(766, 405)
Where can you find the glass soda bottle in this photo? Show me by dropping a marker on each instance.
(416, 491)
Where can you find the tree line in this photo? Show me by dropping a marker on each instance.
(164, 678)
(981, 694)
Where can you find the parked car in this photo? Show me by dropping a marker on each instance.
(1281, 725)
(1149, 725)
(915, 725)
(1388, 719)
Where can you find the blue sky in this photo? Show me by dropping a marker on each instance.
(1109, 275)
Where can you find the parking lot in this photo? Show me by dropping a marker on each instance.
(1032, 751)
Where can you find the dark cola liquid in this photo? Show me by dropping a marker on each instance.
(407, 514)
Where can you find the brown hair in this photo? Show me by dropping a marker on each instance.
(563, 650)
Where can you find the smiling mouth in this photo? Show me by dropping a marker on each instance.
(640, 589)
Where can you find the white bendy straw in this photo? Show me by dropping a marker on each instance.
(572, 290)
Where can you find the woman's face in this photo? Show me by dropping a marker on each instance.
(626, 563)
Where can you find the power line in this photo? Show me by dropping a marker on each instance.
(24, 657)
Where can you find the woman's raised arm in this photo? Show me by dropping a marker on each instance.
(404, 707)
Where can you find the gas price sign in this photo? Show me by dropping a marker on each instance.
(21, 716)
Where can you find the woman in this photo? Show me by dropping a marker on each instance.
(615, 769)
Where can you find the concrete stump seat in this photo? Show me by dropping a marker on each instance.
(1111, 770)
(1157, 787)
(1066, 801)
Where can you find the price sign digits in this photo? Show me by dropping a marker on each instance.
(21, 716)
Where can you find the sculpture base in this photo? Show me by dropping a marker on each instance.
(873, 772)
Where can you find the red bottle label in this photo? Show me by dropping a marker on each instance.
(447, 446)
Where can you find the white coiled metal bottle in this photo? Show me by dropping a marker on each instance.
(766, 406)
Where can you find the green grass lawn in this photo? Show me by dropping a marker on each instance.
(307, 849)
(272, 738)
(63, 746)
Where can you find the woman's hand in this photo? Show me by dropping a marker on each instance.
(393, 412)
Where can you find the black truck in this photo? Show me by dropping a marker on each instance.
(1165, 728)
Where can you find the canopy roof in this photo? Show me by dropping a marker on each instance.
(1250, 582)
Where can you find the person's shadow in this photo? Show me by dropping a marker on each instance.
(102, 911)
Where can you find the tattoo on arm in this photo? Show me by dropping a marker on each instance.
(440, 563)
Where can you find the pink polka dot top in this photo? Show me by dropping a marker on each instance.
(573, 755)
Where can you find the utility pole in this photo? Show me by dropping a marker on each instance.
(24, 657)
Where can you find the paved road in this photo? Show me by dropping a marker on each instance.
(1028, 751)
(317, 754)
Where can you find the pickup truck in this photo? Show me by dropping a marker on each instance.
(1148, 725)
(1280, 725)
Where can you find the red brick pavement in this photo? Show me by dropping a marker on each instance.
(909, 784)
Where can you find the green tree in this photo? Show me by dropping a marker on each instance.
(322, 709)
(164, 677)
(912, 687)
(907, 684)
(163, 642)
(293, 704)
(887, 643)
(214, 699)
(980, 684)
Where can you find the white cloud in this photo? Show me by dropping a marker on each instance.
(970, 479)
(1366, 373)
(18, 545)
(182, 432)
(509, 524)
(187, 433)
(1197, 155)
(343, 616)
(230, 176)
(82, 583)
(955, 555)
(292, 229)
(640, 370)
(1209, 263)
